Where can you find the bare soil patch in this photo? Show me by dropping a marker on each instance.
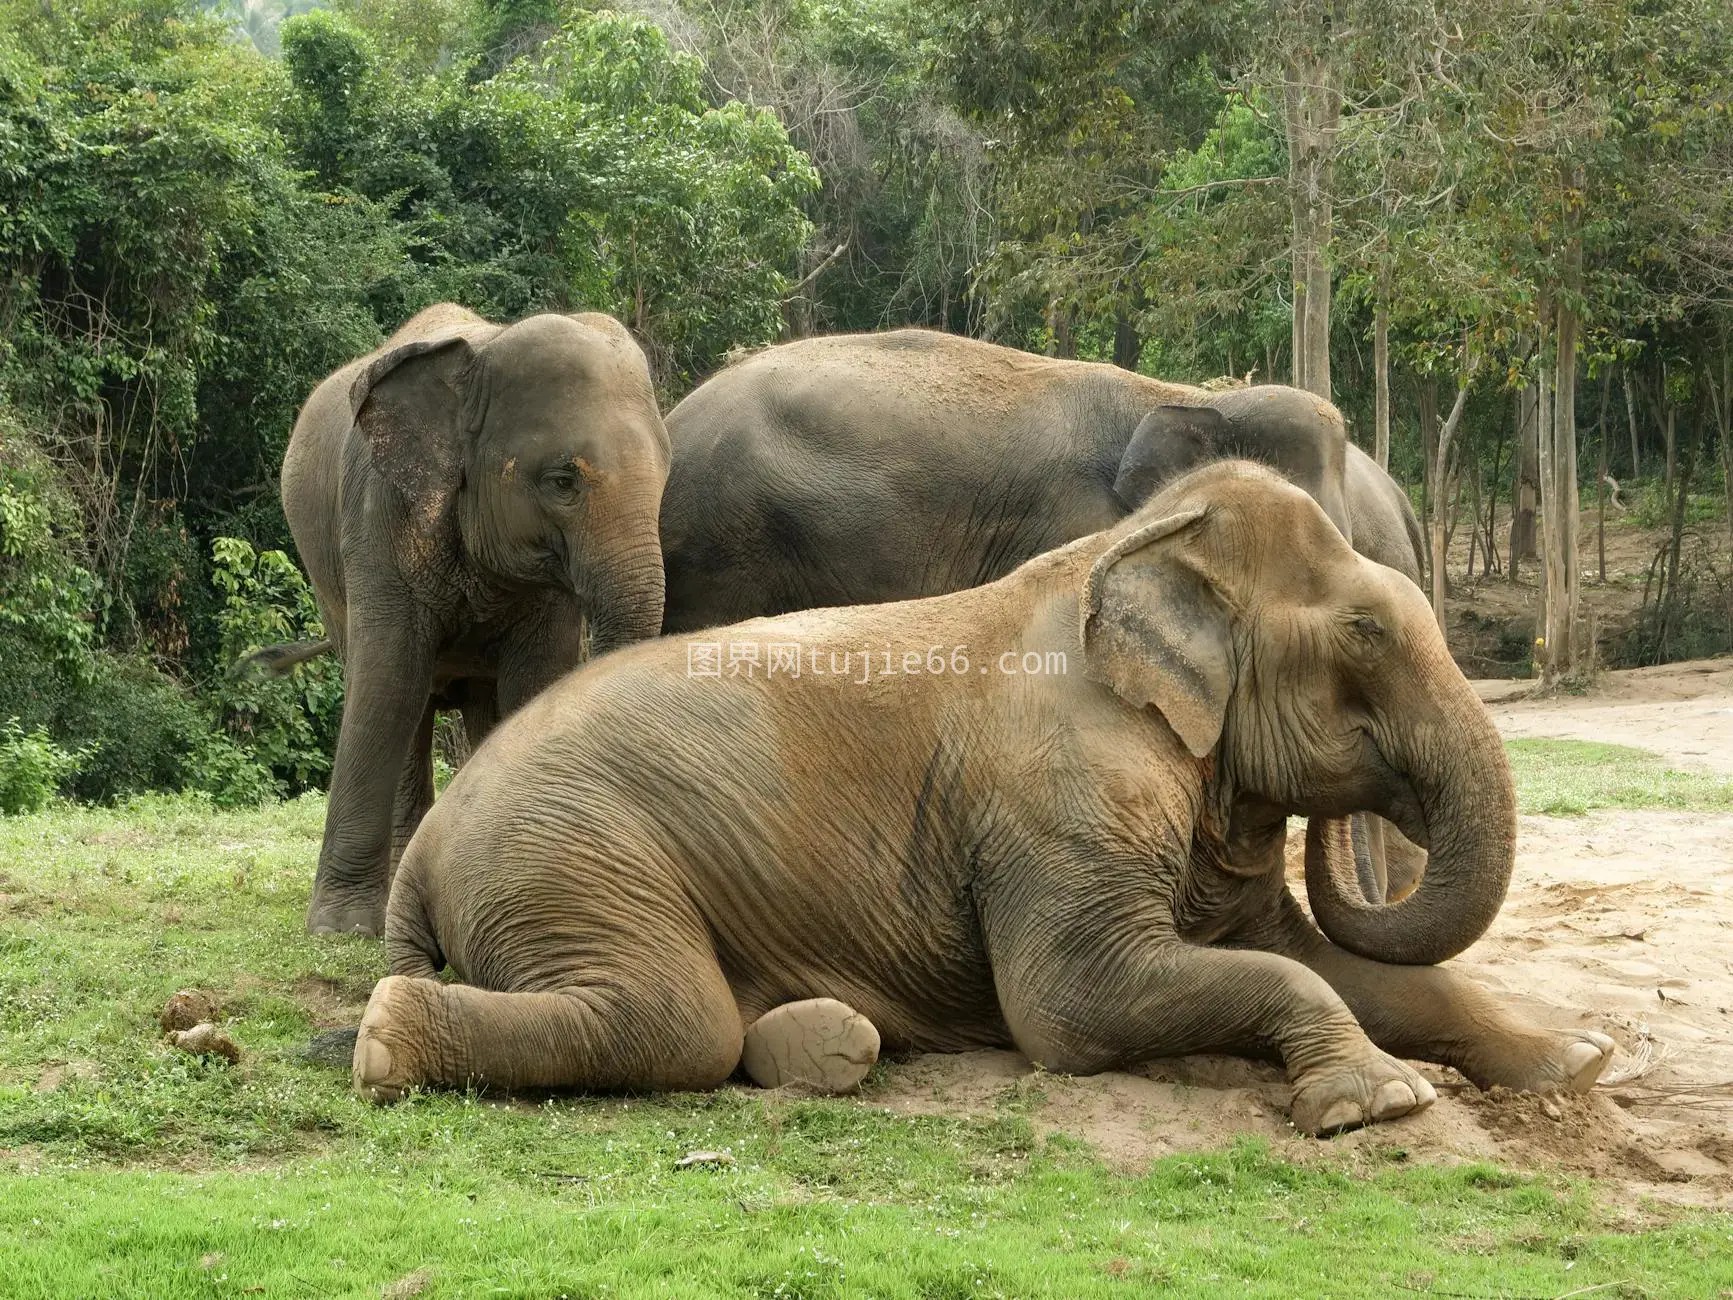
(1620, 921)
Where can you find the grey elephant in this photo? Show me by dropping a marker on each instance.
(1046, 812)
(872, 467)
(468, 500)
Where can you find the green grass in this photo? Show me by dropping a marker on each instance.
(128, 1169)
(1566, 778)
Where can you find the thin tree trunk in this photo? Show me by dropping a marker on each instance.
(1548, 514)
(1569, 603)
(1631, 418)
(1381, 387)
(1441, 461)
(1601, 482)
(1525, 495)
(1474, 515)
(1672, 444)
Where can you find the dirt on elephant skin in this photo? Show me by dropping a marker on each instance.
(1618, 921)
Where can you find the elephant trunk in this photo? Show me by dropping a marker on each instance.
(623, 601)
(1467, 806)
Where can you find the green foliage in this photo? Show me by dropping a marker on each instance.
(589, 173)
(46, 597)
(286, 724)
(32, 769)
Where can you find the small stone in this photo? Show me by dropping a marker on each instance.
(1550, 1109)
(692, 1159)
(188, 1008)
(205, 1040)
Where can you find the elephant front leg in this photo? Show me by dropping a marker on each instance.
(386, 682)
(1431, 1013)
(1091, 994)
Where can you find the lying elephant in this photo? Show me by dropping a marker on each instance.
(1048, 812)
(872, 467)
(462, 499)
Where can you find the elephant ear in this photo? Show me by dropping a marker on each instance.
(416, 406)
(1167, 442)
(1156, 629)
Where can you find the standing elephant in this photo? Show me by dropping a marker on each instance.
(869, 467)
(465, 499)
(1049, 812)
(873, 467)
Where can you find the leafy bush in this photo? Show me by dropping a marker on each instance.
(286, 724)
(32, 769)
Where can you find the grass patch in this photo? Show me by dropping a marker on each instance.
(1567, 778)
(130, 1170)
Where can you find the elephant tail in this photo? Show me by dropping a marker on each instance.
(277, 660)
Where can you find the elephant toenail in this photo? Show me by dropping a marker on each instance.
(1583, 1063)
(372, 1061)
(1392, 1099)
(1340, 1115)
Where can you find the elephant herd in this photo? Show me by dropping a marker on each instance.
(987, 685)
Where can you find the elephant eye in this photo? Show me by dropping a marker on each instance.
(1368, 627)
(562, 480)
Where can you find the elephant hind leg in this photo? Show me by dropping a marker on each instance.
(602, 1035)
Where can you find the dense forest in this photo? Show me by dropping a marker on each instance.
(1497, 233)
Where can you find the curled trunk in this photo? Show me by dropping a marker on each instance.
(1467, 819)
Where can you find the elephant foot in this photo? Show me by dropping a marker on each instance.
(820, 1043)
(1376, 1088)
(1545, 1061)
(384, 1066)
(359, 912)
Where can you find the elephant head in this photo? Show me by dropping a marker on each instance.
(542, 445)
(1291, 431)
(1320, 685)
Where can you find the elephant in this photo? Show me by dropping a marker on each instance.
(873, 467)
(470, 501)
(1046, 812)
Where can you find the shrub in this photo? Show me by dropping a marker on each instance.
(286, 724)
(32, 769)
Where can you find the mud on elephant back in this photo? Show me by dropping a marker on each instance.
(1084, 862)
(471, 501)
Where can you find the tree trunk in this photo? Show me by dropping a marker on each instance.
(1672, 444)
(1567, 602)
(1525, 494)
(1312, 106)
(1631, 418)
(1061, 343)
(1381, 387)
(1548, 514)
(1426, 395)
(1601, 483)
(1127, 346)
(1441, 459)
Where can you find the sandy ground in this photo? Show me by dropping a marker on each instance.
(1621, 921)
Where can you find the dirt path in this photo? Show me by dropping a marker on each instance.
(1621, 921)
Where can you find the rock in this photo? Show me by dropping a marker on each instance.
(205, 1040)
(188, 1008)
